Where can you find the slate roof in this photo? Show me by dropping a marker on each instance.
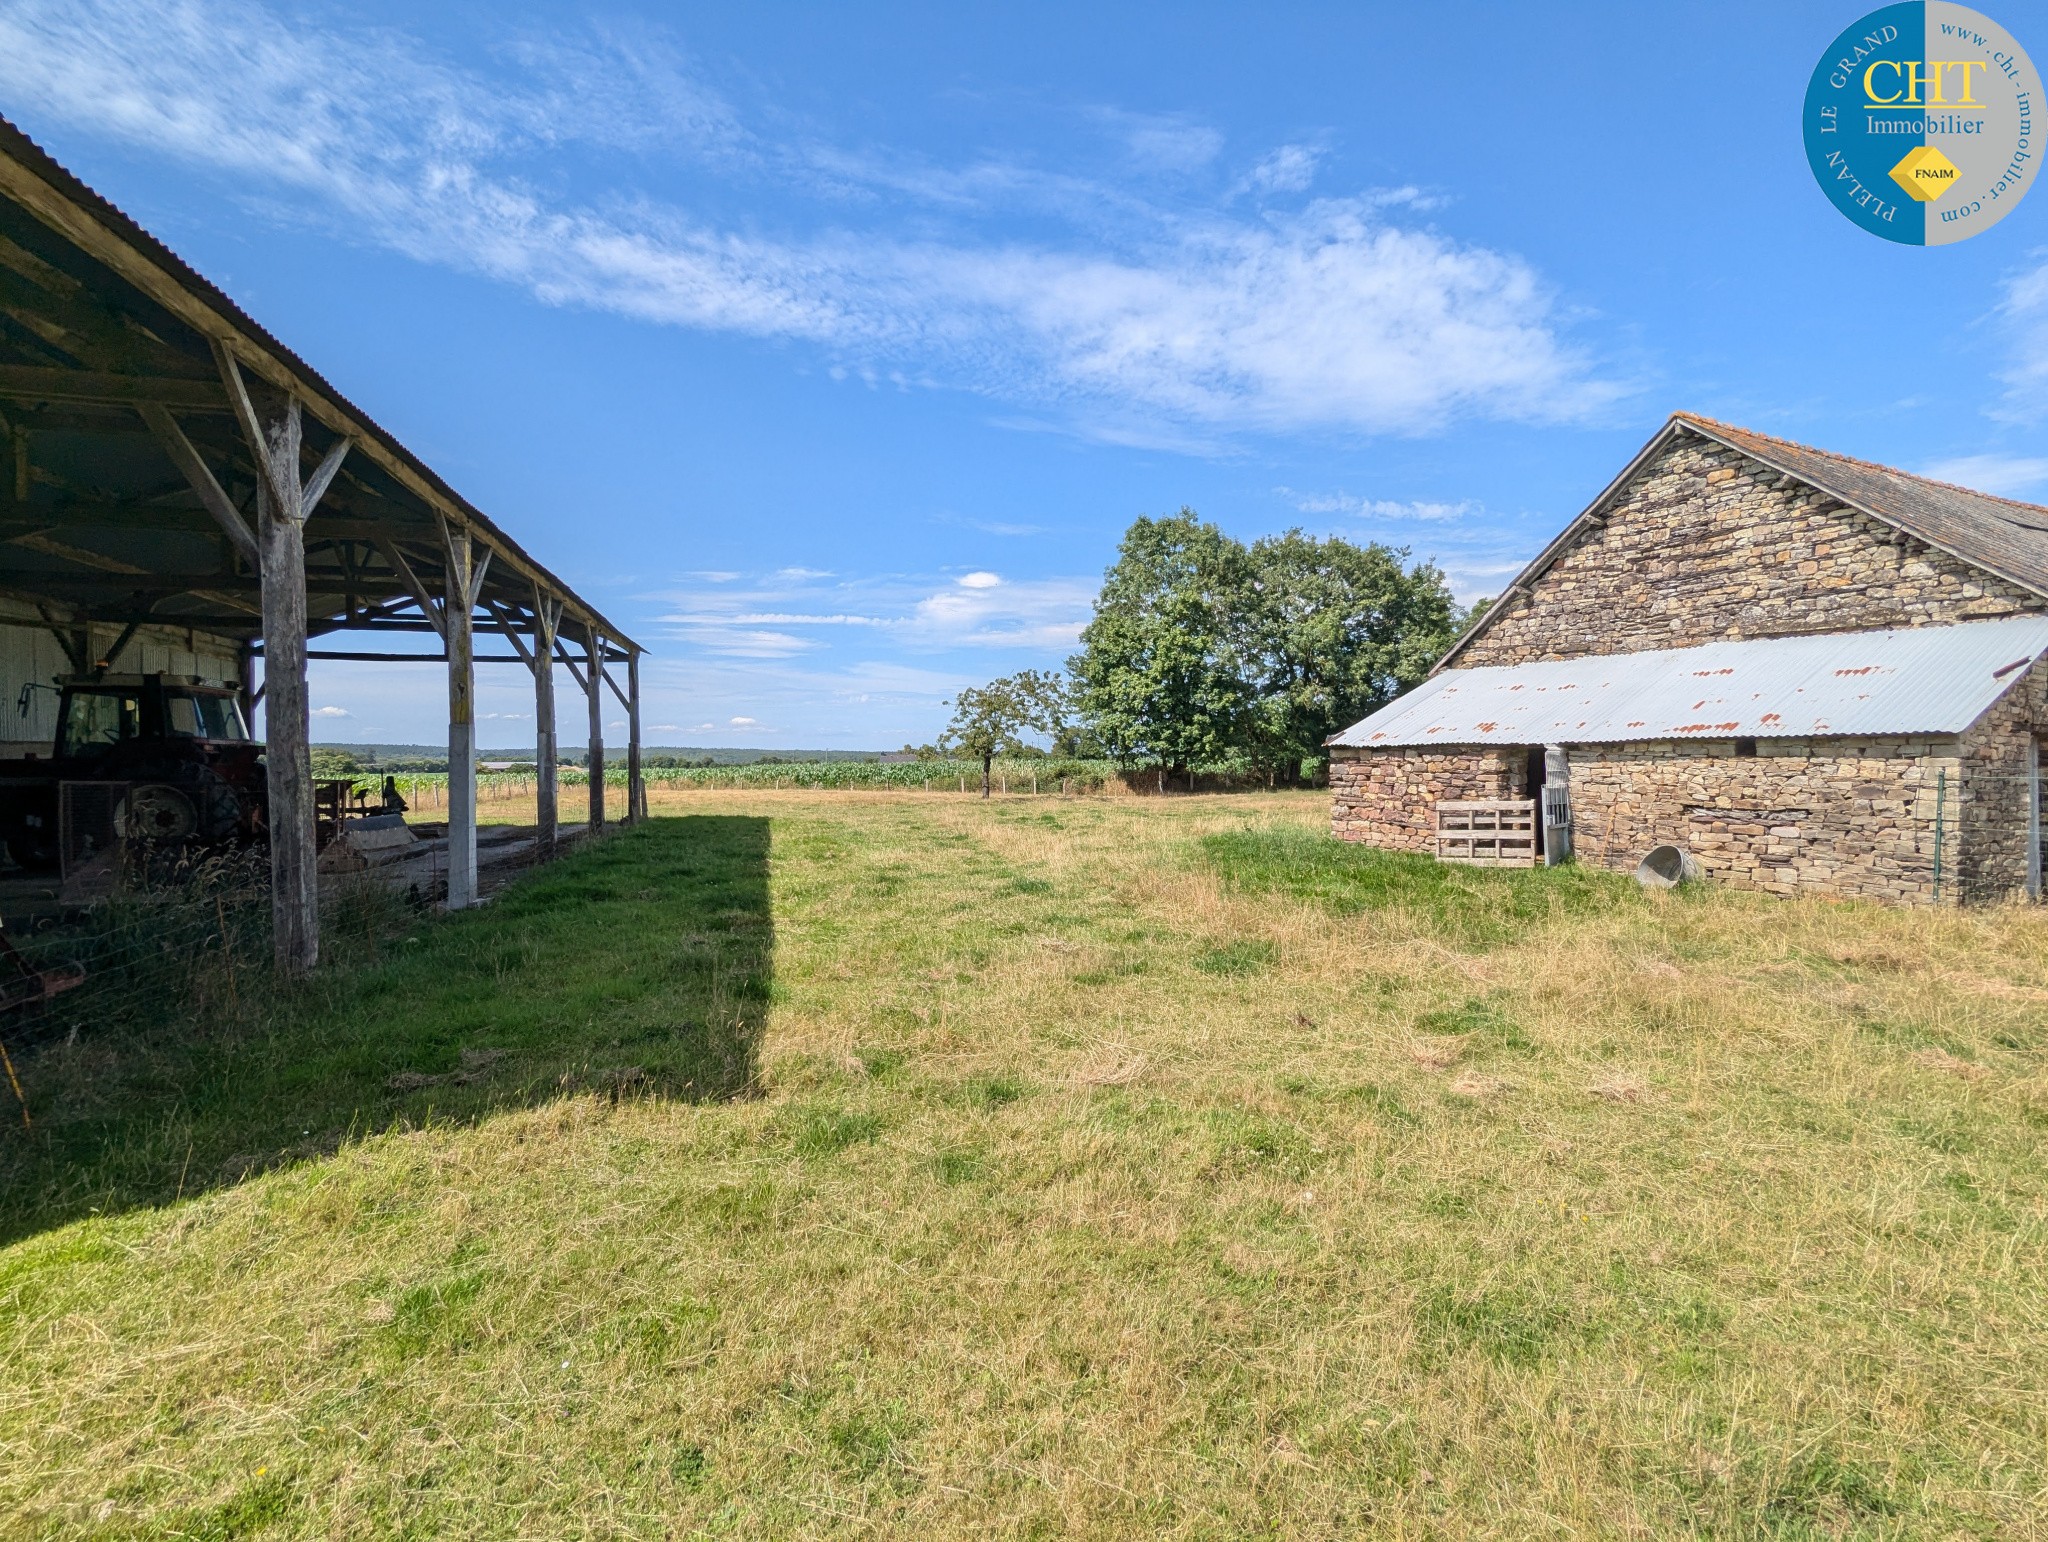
(1908, 680)
(1999, 535)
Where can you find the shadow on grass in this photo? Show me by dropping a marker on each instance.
(638, 967)
(1471, 907)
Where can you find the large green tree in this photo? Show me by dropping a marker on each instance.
(996, 718)
(1162, 672)
(1337, 630)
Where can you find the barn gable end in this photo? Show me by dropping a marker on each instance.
(1701, 542)
(1810, 673)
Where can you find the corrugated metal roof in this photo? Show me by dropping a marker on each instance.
(1920, 680)
(1999, 535)
(38, 162)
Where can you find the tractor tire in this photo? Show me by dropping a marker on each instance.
(158, 813)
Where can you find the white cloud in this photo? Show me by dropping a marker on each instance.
(1162, 141)
(1289, 169)
(1346, 504)
(974, 610)
(2024, 312)
(2005, 475)
(1141, 319)
(332, 712)
(738, 722)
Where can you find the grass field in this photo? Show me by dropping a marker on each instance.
(835, 1164)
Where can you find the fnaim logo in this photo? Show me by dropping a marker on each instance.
(1921, 123)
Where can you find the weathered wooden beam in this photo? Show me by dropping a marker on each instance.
(570, 664)
(512, 636)
(287, 734)
(547, 618)
(636, 788)
(35, 383)
(120, 646)
(593, 689)
(283, 502)
(201, 477)
(364, 656)
(429, 606)
(463, 578)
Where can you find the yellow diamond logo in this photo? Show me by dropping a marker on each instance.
(1925, 173)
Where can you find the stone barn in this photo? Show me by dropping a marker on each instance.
(1814, 674)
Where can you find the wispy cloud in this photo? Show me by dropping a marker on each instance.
(2008, 476)
(1162, 141)
(2024, 314)
(1289, 169)
(1141, 321)
(769, 619)
(1350, 506)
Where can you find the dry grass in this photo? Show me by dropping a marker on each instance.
(1115, 1168)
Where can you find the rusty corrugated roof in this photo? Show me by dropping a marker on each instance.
(1909, 680)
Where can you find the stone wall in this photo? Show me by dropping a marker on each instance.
(1993, 808)
(1822, 817)
(1388, 798)
(1827, 817)
(1702, 546)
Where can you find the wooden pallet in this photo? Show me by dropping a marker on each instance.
(1488, 832)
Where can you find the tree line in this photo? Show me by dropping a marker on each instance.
(1206, 653)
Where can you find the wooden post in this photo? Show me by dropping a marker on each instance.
(636, 789)
(593, 685)
(458, 632)
(547, 618)
(283, 503)
(287, 751)
(459, 637)
(245, 683)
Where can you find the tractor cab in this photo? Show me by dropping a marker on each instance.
(98, 716)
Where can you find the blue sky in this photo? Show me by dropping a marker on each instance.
(829, 349)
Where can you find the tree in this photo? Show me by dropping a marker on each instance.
(1338, 630)
(1161, 672)
(993, 720)
(331, 764)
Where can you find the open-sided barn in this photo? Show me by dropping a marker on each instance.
(183, 497)
(1812, 673)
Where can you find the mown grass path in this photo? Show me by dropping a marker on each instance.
(839, 1164)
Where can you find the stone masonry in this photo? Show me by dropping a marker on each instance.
(1705, 544)
(1388, 798)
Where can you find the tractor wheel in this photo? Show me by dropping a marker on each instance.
(157, 813)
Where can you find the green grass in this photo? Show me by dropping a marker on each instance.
(865, 1164)
(1477, 906)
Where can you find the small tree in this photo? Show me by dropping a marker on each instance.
(993, 720)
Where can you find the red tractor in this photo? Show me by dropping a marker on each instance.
(163, 759)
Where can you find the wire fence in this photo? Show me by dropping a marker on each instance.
(178, 948)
